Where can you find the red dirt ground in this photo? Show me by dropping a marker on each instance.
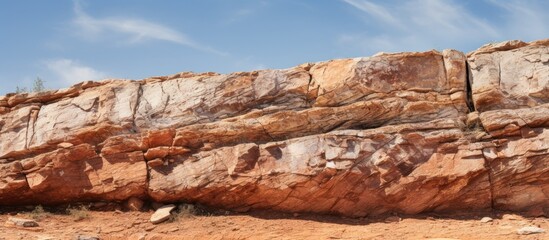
(268, 225)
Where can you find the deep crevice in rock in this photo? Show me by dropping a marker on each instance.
(468, 86)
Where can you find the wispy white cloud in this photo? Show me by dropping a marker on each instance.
(70, 71)
(417, 25)
(134, 30)
(375, 10)
(448, 17)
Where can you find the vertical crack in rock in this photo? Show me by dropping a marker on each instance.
(499, 75)
(147, 179)
(310, 100)
(136, 106)
(489, 169)
(469, 87)
(34, 119)
(31, 122)
(443, 60)
(27, 130)
(163, 94)
(309, 89)
(264, 130)
(26, 180)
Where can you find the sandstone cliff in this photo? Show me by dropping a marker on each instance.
(405, 132)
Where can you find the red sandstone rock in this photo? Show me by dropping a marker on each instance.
(364, 136)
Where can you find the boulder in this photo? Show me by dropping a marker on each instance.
(21, 222)
(529, 230)
(162, 214)
(486, 220)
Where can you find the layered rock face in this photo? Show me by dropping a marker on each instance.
(404, 132)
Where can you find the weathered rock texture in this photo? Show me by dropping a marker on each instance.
(405, 132)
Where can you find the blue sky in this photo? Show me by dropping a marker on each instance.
(65, 41)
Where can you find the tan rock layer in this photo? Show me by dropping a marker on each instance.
(388, 133)
(510, 75)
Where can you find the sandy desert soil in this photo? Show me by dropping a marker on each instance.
(267, 225)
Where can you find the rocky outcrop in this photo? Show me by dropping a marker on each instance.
(510, 75)
(405, 132)
(510, 90)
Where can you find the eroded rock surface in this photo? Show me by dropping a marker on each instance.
(510, 90)
(404, 132)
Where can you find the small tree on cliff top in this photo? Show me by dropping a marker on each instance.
(37, 86)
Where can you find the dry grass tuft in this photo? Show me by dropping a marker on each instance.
(39, 213)
(78, 213)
